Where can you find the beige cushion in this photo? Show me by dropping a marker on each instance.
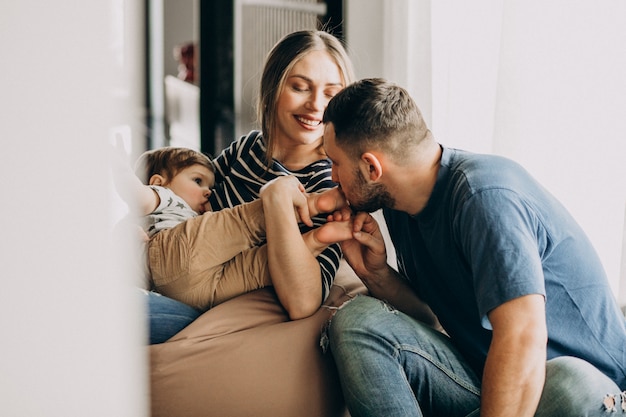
(246, 358)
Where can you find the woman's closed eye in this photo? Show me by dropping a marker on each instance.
(332, 92)
(300, 88)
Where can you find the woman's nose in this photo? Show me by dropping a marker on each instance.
(318, 100)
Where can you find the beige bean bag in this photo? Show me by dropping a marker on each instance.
(246, 358)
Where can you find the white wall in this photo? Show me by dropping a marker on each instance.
(562, 106)
(540, 82)
(72, 334)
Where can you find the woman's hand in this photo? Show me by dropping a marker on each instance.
(288, 188)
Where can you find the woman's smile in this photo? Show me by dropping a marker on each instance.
(308, 122)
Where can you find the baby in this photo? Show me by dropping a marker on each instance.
(204, 258)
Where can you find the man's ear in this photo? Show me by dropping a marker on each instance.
(373, 164)
(156, 179)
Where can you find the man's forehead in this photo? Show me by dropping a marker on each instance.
(328, 138)
(329, 128)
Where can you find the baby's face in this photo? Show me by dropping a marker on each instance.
(193, 184)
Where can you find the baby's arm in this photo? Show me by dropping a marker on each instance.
(141, 199)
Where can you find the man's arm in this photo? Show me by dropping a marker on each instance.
(367, 256)
(514, 372)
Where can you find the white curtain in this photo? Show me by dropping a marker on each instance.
(543, 83)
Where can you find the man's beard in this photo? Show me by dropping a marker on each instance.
(371, 196)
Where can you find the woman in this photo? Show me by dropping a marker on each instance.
(302, 72)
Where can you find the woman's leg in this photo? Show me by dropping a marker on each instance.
(392, 365)
(166, 316)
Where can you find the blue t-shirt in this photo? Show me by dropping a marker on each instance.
(490, 233)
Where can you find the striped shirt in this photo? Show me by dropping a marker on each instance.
(240, 172)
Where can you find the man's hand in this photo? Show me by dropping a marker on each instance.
(365, 252)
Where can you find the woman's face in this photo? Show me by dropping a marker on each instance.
(309, 86)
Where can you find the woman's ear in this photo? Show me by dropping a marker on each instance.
(373, 164)
(156, 179)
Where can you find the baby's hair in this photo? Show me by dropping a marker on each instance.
(168, 162)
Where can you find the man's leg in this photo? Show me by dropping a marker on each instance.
(575, 388)
(392, 365)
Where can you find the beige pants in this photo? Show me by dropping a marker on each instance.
(211, 258)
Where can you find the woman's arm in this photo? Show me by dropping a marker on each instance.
(294, 269)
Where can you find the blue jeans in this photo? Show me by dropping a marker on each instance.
(392, 365)
(166, 316)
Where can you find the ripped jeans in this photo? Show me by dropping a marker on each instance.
(392, 365)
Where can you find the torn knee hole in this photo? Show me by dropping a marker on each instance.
(324, 338)
(610, 402)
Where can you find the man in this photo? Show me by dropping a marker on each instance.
(531, 326)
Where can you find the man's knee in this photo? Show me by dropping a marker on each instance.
(574, 387)
(360, 318)
(356, 312)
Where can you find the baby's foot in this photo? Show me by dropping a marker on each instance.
(333, 232)
(329, 200)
